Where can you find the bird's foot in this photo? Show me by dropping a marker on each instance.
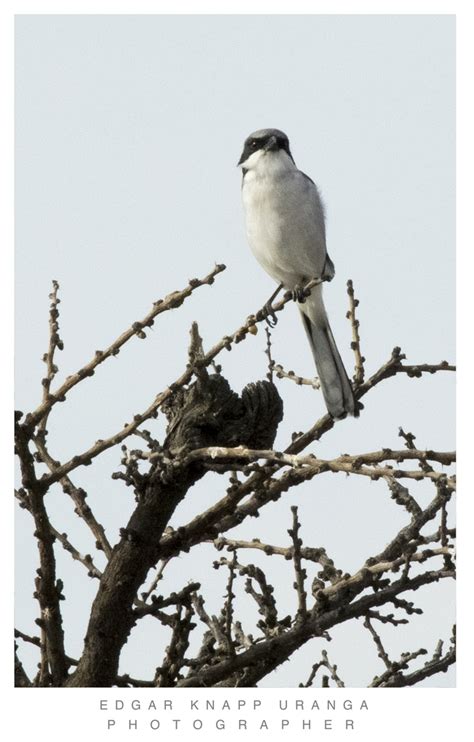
(268, 313)
(299, 294)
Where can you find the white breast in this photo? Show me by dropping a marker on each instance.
(284, 220)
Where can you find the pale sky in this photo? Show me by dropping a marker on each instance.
(128, 132)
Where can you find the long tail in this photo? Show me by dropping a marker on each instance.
(335, 384)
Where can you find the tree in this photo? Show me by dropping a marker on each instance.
(213, 429)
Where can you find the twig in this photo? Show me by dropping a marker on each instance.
(415, 371)
(54, 342)
(323, 663)
(395, 667)
(159, 575)
(410, 443)
(402, 496)
(299, 380)
(228, 609)
(27, 638)
(310, 553)
(412, 530)
(212, 622)
(430, 668)
(389, 618)
(268, 353)
(406, 606)
(21, 678)
(86, 560)
(168, 672)
(171, 301)
(355, 345)
(159, 602)
(264, 599)
(443, 535)
(78, 496)
(299, 571)
(394, 678)
(380, 567)
(382, 653)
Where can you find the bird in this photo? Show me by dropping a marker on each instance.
(285, 227)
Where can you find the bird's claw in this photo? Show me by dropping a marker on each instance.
(268, 314)
(271, 319)
(299, 294)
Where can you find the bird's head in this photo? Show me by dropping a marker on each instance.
(262, 145)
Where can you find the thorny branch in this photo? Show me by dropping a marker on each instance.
(210, 428)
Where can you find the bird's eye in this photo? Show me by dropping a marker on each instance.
(253, 143)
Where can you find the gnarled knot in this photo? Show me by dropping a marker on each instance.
(210, 413)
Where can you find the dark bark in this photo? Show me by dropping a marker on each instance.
(209, 413)
(48, 589)
(21, 678)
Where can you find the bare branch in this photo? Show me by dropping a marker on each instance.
(355, 464)
(78, 496)
(299, 571)
(21, 678)
(168, 673)
(159, 575)
(355, 345)
(48, 589)
(327, 664)
(309, 553)
(55, 342)
(158, 602)
(213, 623)
(299, 380)
(412, 531)
(392, 367)
(264, 599)
(86, 559)
(27, 638)
(228, 609)
(387, 619)
(378, 643)
(162, 305)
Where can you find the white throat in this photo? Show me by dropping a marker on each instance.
(267, 164)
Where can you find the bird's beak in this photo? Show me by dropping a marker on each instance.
(271, 144)
(243, 157)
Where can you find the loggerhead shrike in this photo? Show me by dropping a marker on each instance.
(286, 232)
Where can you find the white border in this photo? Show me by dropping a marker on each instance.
(435, 712)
